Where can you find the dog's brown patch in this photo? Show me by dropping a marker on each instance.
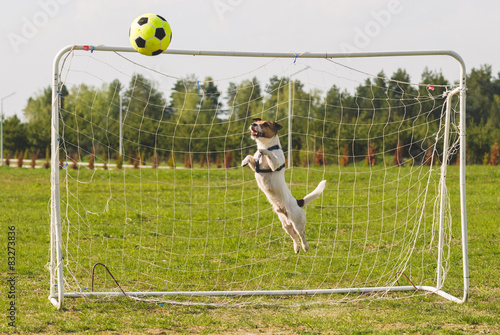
(300, 202)
(268, 129)
(282, 211)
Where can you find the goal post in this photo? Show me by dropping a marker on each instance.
(175, 234)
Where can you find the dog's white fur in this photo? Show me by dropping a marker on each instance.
(292, 217)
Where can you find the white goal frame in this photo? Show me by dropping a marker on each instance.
(57, 278)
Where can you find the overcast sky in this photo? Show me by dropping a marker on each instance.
(34, 30)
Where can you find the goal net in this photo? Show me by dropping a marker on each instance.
(149, 199)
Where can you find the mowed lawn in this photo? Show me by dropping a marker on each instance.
(25, 195)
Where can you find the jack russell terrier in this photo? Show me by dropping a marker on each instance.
(268, 162)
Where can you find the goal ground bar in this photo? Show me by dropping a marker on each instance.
(264, 293)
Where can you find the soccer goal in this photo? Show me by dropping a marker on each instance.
(149, 199)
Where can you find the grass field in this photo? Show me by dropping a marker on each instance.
(25, 194)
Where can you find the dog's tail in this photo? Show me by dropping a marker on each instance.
(313, 195)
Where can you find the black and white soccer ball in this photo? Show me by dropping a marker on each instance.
(150, 34)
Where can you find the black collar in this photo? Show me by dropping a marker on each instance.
(275, 147)
(259, 170)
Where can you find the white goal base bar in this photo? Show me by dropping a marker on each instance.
(361, 290)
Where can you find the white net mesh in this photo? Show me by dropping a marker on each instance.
(176, 212)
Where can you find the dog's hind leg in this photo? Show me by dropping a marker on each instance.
(299, 225)
(302, 234)
(291, 231)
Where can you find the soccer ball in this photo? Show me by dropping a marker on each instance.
(150, 34)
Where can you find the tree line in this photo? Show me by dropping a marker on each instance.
(384, 117)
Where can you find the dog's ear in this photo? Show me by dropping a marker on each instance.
(257, 119)
(276, 126)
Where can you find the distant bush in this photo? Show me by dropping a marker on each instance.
(371, 158)
(494, 154)
(398, 154)
(34, 157)
(137, 161)
(20, 160)
(320, 159)
(92, 159)
(344, 160)
(119, 162)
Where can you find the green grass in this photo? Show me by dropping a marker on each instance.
(255, 251)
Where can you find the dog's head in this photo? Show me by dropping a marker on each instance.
(264, 129)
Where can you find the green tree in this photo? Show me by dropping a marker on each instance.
(483, 112)
(38, 113)
(481, 88)
(244, 102)
(244, 99)
(276, 103)
(185, 105)
(145, 113)
(379, 113)
(210, 129)
(90, 116)
(14, 135)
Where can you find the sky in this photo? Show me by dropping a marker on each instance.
(33, 31)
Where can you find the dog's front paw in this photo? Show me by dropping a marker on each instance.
(264, 152)
(246, 160)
